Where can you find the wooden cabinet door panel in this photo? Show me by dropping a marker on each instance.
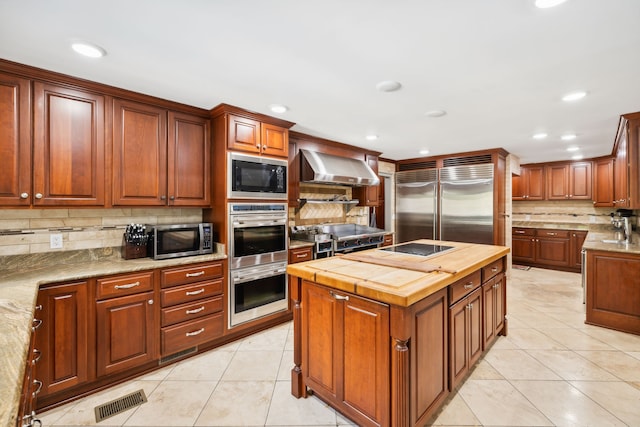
(275, 140)
(68, 147)
(366, 356)
(321, 347)
(475, 326)
(188, 160)
(243, 134)
(139, 154)
(621, 170)
(580, 179)
(489, 311)
(458, 347)
(603, 183)
(575, 248)
(523, 249)
(15, 141)
(517, 187)
(613, 290)
(535, 183)
(558, 182)
(553, 251)
(63, 337)
(500, 302)
(127, 333)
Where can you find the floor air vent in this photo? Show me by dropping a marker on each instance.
(120, 405)
(176, 356)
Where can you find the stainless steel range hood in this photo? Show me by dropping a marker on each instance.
(325, 168)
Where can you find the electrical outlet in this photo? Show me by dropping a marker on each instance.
(592, 219)
(527, 217)
(55, 241)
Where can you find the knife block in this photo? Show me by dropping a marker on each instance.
(131, 251)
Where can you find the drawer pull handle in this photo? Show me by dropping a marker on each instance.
(519, 231)
(36, 324)
(199, 291)
(195, 310)
(468, 285)
(552, 234)
(37, 383)
(128, 286)
(302, 255)
(194, 333)
(199, 273)
(494, 269)
(37, 355)
(339, 297)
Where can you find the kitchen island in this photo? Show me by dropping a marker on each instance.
(383, 336)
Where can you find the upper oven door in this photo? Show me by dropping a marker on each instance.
(253, 177)
(257, 239)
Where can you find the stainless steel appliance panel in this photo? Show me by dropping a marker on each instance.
(253, 177)
(416, 205)
(257, 291)
(466, 204)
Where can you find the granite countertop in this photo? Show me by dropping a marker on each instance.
(595, 242)
(398, 285)
(552, 225)
(18, 293)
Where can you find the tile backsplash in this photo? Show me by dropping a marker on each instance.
(25, 231)
(579, 212)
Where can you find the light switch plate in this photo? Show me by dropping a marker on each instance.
(55, 241)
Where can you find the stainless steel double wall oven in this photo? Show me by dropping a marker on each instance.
(257, 260)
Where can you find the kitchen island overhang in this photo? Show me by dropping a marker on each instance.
(409, 320)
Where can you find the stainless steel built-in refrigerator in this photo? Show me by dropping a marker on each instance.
(453, 203)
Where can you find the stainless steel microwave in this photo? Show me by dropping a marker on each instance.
(178, 240)
(254, 177)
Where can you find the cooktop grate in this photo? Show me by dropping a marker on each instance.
(119, 405)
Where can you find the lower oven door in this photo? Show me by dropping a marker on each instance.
(257, 240)
(256, 292)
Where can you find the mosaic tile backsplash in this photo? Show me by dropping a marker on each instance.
(28, 231)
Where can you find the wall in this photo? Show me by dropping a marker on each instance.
(27, 231)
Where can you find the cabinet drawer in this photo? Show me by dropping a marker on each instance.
(192, 292)
(184, 312)
(464, 286)
(388, 240)
(488, 271)
(523, 231)
(552, 233)
(110, 287)
(186, 335)
(197, 273)
(300, 254)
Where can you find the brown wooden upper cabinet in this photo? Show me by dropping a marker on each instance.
(66, 166)
(159, 157)
(569, 181)
(15, 141)
(253, 136)
(530, 184)
(603, 188)
(626, 167)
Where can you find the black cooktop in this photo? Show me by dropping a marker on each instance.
(422, 249)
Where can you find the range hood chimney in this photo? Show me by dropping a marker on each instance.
(322, 168)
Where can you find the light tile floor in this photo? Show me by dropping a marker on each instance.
(551, 370)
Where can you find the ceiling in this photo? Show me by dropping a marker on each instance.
(497, 67)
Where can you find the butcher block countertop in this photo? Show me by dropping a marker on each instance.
(395, 278)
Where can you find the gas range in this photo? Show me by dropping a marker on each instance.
(344, 237)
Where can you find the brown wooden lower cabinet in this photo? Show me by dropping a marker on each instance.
(548, 248)
(613, 290)
(465, 323)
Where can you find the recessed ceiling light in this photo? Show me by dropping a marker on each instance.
(371, 137)
(435, 113)
(544, 4)
(424, 152)
(540, 135)
(278, 108)
(568, 137)
(388, 86)
(88, 49)
(574, 96)
(577, 157)
(573, 148)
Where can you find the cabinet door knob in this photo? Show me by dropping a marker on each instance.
(38, 195)
(163, 197)
(150, 302)
(24, 195)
